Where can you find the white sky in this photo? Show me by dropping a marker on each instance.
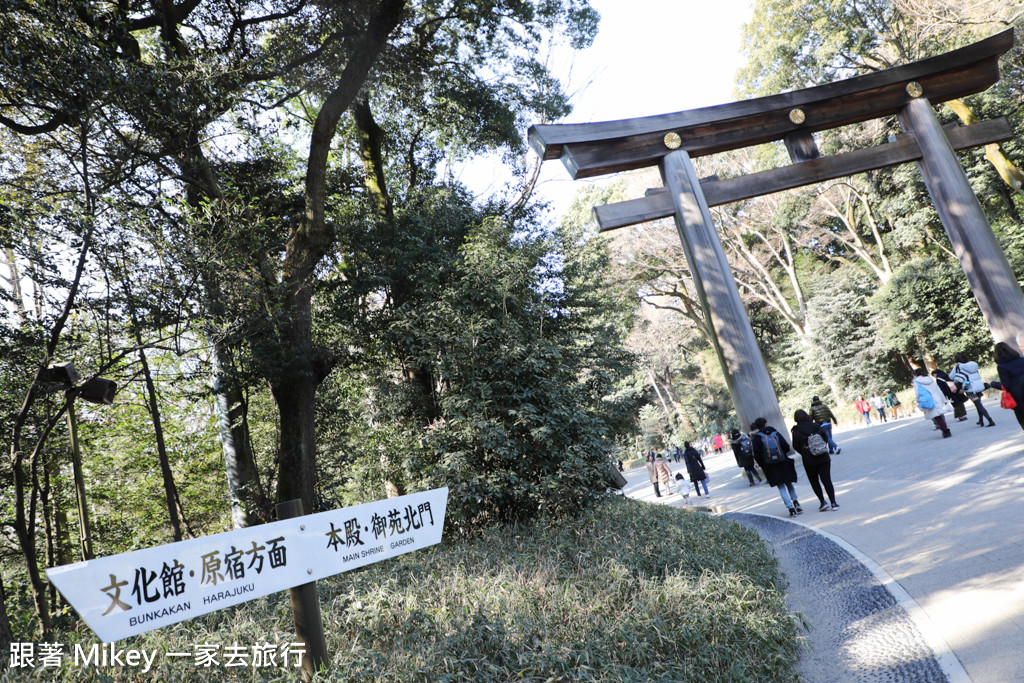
(650, 57)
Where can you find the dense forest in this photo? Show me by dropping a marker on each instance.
(241, 214)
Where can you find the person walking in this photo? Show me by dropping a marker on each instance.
(864, 408)
(878, 403)
(967, 376)
(1010, 365)
(664, 473)
(931, 400)
(822, 414)
(652, 473)
(744, 452)
(892, 402)
(810, 442)
(695, 468)
(952, 394)
(770, 452)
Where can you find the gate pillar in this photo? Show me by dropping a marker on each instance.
(988, 272)
(731, 334)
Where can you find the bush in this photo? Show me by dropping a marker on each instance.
(626, 592)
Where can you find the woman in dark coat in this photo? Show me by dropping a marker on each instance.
(695, 468)
(957, 398)
(817, 467)
(743, 449)
(1011, 376)
(781, 475)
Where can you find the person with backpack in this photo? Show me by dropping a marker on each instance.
(878, 403)
(810, 442)
(822, 414)
(966, 376)
(695, 468)
(892, 402)
(770, 452)
(743, 449)
(931, 400)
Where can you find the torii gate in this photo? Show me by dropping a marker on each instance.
(671, 140)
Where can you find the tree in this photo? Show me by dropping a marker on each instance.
(150, 72)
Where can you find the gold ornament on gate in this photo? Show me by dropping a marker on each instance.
(914, 89)
(673, 141)
(797, 116)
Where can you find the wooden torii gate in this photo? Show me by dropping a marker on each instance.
(670, 141)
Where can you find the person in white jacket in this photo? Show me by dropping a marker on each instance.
(931, 400)
(966, 372)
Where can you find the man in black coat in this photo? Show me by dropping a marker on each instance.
(771, 452)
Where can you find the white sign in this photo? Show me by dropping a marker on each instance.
(123, 595)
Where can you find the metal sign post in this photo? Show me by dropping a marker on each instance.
(309, 625)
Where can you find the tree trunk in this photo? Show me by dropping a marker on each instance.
(46, 496)
(295, 395)
(20, 316)
(308, 243)
(170, 490)
(6, 635)
(24, 529)
(239, 464)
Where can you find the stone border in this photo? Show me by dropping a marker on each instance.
(944, 657)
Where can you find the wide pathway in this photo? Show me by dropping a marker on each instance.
(938, 523)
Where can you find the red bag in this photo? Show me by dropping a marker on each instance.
(1007, 401)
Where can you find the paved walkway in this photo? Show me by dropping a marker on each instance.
(920, 575)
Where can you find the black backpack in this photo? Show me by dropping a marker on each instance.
(746, 448)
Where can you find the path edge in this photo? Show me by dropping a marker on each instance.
(944, 655)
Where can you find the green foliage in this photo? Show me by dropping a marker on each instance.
(843, 328)
(928, 310)
(622, 593)
(523, 419)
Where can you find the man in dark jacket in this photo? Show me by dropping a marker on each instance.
(779, 471)
(822, 414)
(952, 394)
(743, 449)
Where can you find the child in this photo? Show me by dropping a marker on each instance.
(683, 488)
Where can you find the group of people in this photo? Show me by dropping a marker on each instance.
(661, 474)
(964, 384)
(766, 448)
(764, 453)
(880, 404)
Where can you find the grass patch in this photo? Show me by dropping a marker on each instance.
(626, 592)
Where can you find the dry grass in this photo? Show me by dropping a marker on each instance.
(626, 592)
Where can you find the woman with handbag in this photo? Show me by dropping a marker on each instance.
(967, 377)
(1011, 376)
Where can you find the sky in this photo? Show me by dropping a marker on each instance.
(649, 57)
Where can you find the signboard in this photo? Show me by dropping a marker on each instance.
(123, 595)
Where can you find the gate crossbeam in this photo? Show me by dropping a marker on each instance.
(657, 204)
(594, 149)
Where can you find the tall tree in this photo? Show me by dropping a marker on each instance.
(179, 88)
